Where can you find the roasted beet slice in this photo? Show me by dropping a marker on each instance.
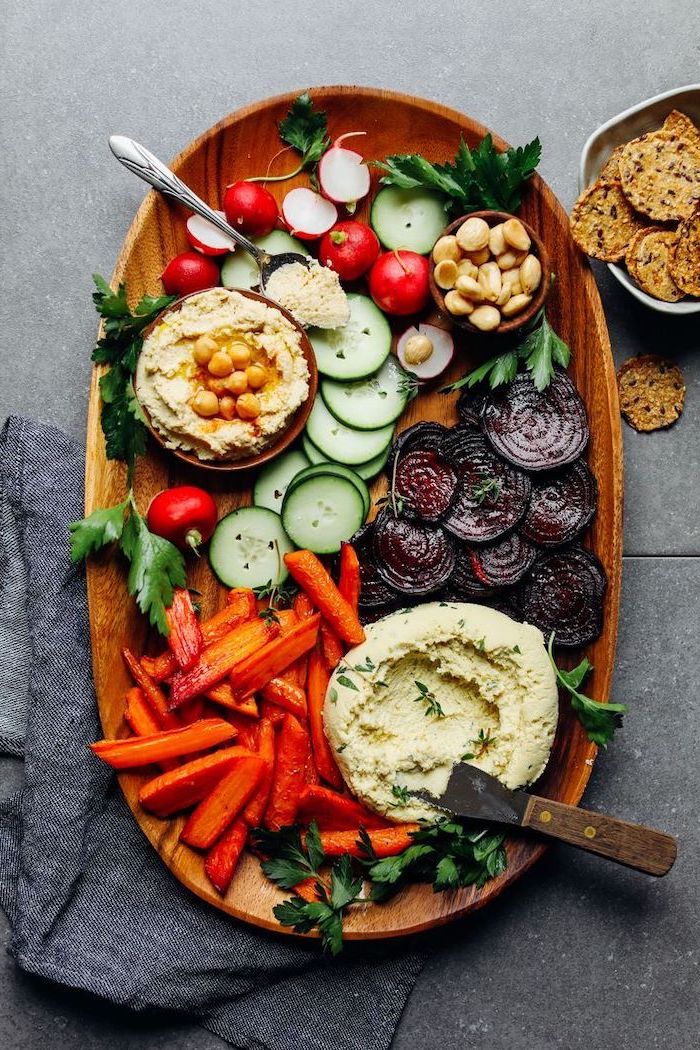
(411, 557)
(560, 506)
(426, 436)
(374, 593)
(536, 430)
(503, 564)
(470, 405)
(463, 585)
(564, 593)
(426, 482)
(491, 496)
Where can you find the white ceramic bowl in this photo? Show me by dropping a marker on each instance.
(646, 116)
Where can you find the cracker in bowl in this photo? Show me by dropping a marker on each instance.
(684, 257)
(647, 259)
(660, 174)
(603, 222)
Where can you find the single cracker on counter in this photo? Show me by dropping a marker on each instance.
(647, 258)
(603, 222)
(652, 392)
(684, 257)
(660, 173)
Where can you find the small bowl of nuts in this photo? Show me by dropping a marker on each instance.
(490, 272)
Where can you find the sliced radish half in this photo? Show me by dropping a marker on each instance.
(343, 174)
(441, 350)
(307, 214)
(206, 237)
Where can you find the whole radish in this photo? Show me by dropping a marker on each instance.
(399, 282)
(250, 208)
(349, 248)
(189, 272)
(185, 515)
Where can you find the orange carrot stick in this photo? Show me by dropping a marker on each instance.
(332, 811)
(190, 782)
(222, 859)
(286, 694)
(223, 804)
(221, 623)
(192, 711)
(243, 600)
(310, 772)
(185, 638)
(272, 712)
(224, 695)
(152, 691)
(308, 889)
(246, 728)
(256, 670)
(313, 578)
(288, 775)
(349, 577)
(302, 606)
(386, 842)
(331, 645)
(316, 686)
(143, 721)
(143, 750)
(253, 813)
(218, 659)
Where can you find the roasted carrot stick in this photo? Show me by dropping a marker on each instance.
(386, 842)
(233, 615)
(224, 695)
(192, 711)
(222, 859)
(316, 686)
(313, 578)
(243, 600)
(185, 638)
(288, 776)
(272, 712)
(349, 577)
(286, 694)
(310, 772)
(190, 782)
(302, 606)
(256, 670)
(308, 889)
(253, 813)
(331, 645)
(223, 804)
(246, 728)
(142, 720)
(143, 750)
(152, 691)
(332, 811)
(217, 659)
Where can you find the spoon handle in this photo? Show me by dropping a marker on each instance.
(143, 163)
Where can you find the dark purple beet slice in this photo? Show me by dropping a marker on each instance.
(564, 593)
(536, 430)
(470, 405)
(425, 436)
(374, 593)
(411, 557)
(463, 585)
(560, 506)
(426, 482)
(503, 564)
(478, 515)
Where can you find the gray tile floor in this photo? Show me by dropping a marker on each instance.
(579, 954)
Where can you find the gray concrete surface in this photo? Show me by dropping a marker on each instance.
(580, 954)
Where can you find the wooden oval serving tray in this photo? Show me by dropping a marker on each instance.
(241, 146)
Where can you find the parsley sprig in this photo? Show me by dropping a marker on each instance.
(305, 129)
(599, 720)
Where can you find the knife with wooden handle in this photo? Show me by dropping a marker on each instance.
(475, 794)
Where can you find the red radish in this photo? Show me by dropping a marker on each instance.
(185, 515)
(307, 214)
(189, 272)
(436, 343)
(250, 208)
(208, 238)
(398, 282)
(349, 248)
(342, 173)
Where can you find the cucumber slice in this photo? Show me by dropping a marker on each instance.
(321, 512)
(313, 454)
(239, 270)
(368, 404)
(411, 219)
(357, 349)
(248, 548)
(375, 466)
(272, 481)
(337, 470)
(344, 444)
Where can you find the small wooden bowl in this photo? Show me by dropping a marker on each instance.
(521, 320)
(283, 440)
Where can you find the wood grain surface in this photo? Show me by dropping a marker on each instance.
(241, 146)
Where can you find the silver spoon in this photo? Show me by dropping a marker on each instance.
(143, 163)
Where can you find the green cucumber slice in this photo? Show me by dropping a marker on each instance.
(239, 270)
(375, 466)
(410, 219)
(248, 548)
(367, 404)
(313, 454)
(338, 470)
(272, 481)
(357, 349)
(322, 512)
(344, 444)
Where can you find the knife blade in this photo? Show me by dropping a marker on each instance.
(472, 793)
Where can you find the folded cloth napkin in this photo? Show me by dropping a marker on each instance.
(90, 903)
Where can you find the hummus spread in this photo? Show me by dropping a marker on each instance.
(222, 375)
(312, 295)
(430, 685)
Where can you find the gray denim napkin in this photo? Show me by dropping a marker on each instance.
(90, 903)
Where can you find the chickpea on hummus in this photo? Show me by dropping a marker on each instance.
(222, 375)
(434, 685)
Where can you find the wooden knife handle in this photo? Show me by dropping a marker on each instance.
(631, 844)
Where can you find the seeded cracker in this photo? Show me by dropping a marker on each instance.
(660, 173)
(603, 222)
(610, 171)
(684, 258)
(652, 392)
(647, 260)
(679, 124)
